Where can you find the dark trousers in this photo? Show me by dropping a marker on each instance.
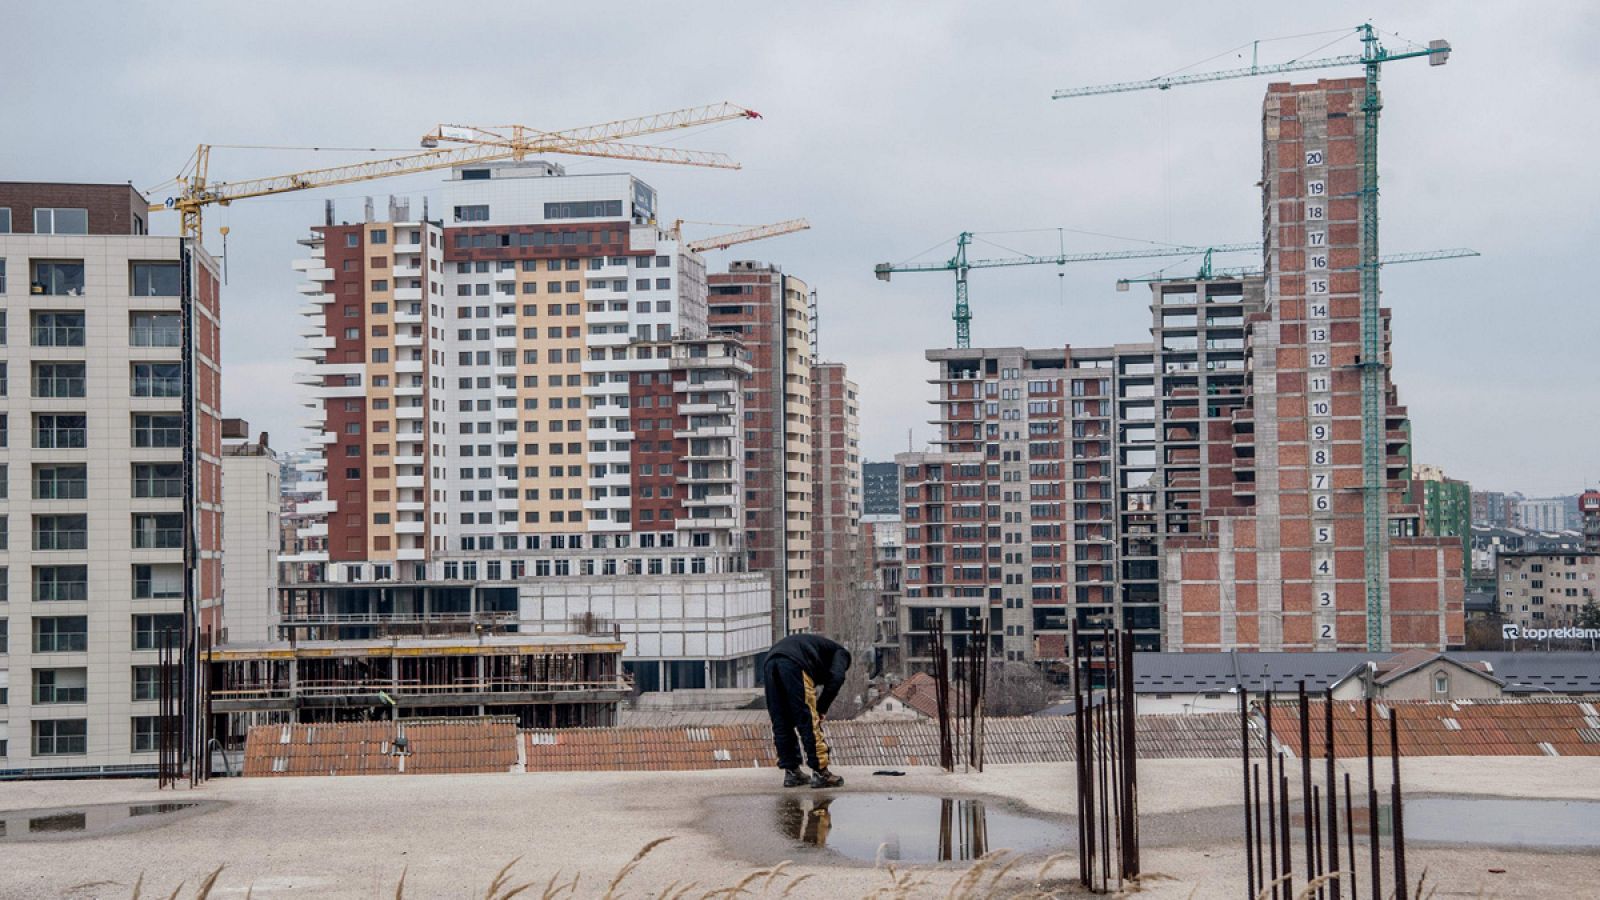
(792, 705)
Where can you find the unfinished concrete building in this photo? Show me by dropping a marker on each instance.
(545, 681)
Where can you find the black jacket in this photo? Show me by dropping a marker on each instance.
(824, 660)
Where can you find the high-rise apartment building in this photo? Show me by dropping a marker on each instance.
(840, 561)
(110, 474)
(523, 389)
(768, 312)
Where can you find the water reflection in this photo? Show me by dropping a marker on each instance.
(48, 824)
(911, 827)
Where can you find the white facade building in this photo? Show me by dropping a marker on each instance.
(99, 397)
(250, 474)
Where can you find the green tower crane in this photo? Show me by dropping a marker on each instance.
(1372, 58)
(961, 265)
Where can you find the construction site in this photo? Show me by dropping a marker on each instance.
(1178, 616)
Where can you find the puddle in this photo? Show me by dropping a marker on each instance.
(56, 824)
(913, 827)
(1500, 822)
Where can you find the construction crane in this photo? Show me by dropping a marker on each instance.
(1207, 273)
(961, 265)
(476, 145)
(1372, 59)
(744, 236)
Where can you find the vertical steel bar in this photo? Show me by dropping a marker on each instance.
(1314, 852)
(1399, 829)
(1255, 851)
(1350, 835)
(1249, 827)
(1131, 765)
(1272, 798)
(1305, 778)
(1372, 810)
(1079, 784)
(1332, 792)
(1283, 825)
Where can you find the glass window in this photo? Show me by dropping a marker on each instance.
(158, 531)
(157, 380)
(58, 329)
(162, 582)
(152, 279)
(155, 480)
(149, 630)
(151, 329)
(60, 634)
(157, 431)
(60, 584)
(60, 482)
(60, 685)
(70, 532)
(59, 432)
(5, 220)
(58, 379)
(57, 279)
(147, 682)
(60, 737)
(60, 221)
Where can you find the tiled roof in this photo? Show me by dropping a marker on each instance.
(1493, 728)
(920, 693)
(477, 746)
(1573, 672)
(364, 748)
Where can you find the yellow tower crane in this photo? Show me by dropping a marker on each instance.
(743, 236)
(476, 144)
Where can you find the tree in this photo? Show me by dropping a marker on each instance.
(1015, 689)
(850, 615)
(1589, 615)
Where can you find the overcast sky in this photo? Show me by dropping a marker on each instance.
(892, 127)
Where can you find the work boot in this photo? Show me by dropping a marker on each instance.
(822, 778)
(793, 778)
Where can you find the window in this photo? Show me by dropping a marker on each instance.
(60, 221)
(157, 480)
(158, 531)
(5, 220)
(60, 737)
(60, 685)
(157, 431)
(150, 279)
(146, 736)
(150, 329)
(150, 630)
(58, 329)
(59, 432)
(60, 584)
(1441, 683)
(147, 682)
(163, 582)
(60, 482)
(57, 278)
(378, 236)
(477, 213)
(3, 268)
(60, 634)
(61, 532)
(58, 380)
(584, 209)
(157, 380)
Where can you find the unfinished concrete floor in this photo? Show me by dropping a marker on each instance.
(354, 836)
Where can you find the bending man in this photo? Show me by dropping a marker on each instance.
(804, 672)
